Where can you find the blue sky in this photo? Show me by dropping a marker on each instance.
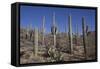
(34, 15)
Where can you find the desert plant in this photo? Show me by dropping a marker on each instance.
(70, 34)
(84, 36)
(55, 54)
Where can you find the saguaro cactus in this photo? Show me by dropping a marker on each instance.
(84, 35)
(70, 34)
(54, 30)
(43, 30)
(77, 35)
(27, 32)
(30, 31)
(36, 42)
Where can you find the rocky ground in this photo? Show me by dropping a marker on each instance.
(60, 53)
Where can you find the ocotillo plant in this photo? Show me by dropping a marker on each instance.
(70, 35)
(84, 36)
(36, 42)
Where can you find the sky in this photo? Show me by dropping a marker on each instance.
(34, 15)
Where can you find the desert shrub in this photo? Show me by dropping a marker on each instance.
(55, 55)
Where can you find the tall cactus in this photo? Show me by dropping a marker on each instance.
(27, 32)
(43, 30)
(84, 36)
(70, 35)
(77, 35)
(54, 30)
(36, 42)
(30, 31)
